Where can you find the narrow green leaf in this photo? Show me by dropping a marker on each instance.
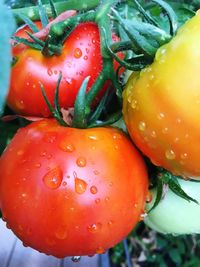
(110, 120)
(35, 39)
(46, 99)
(29, 22)
(53, 9)
(7, 28)
(26, 42)
(148, 17)
(176, 188)
(159, 194)
(99, 109)
(80, 106)
(57, 112)
(43, 14)
(171, 15)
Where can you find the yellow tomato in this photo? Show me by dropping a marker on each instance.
(161, 104)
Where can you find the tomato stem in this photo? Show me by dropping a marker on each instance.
(33, 11)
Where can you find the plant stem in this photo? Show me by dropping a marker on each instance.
(33, 12)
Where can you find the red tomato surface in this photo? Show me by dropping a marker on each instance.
(80, 57)
(67, 191)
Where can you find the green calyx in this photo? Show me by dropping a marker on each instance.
(140, 35)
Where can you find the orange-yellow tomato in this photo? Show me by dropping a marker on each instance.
(67, 192)
(162, 104)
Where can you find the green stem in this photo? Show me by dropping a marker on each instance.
(33, 12)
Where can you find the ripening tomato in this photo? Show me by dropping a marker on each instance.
(162, 104)
(175, 215)
(67, 191)
(80, 57)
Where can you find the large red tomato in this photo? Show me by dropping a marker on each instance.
(80, 57)
(67, 191)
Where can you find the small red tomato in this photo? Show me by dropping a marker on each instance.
(67, 191)
(80, 57)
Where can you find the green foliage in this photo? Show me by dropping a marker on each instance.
(7, 27)
(151, 249)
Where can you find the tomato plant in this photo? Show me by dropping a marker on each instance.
(70, 191)
(175, 215)
(161, 104)
(80, 57)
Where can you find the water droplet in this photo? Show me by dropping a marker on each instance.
(96, 172)
(107, 199)
(143, 215)
(64, 183)
(153, 134)
(81, 162)
(77, 53)
(97, 201)
(161, 116)
(170, 154)
(149, 197)
(184, 155)
(93, 41)
(87, 50)
(53, 178)
(76, 258)
(165, 130)
(61, 232)
(93, 189)
(65, 146)
(49, 72)
(80, 186)
(50, 241)
(20, 152)
(37, 165)
(85, 57)
(43, 154)
(100, 250)
(110, 223)
(95, 227)
(50, 137)
(142, 126)
(93, 137)
(134, 103)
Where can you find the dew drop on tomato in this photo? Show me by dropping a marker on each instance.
(50, 72)
(53, 178)
(66, 146)
(77, 53)
(93, 189)
(142, 126)
(170, 154)
(81, 162)
(80, 186)
(61, 233)
(94, 228)
(100, 250)
(76, 258)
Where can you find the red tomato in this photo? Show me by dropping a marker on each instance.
(80, 57)
(67, 191)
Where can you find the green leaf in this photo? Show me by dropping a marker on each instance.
(80, 106)
(159, 193)
(7, 27)
(176, 188)
(29, 22)
(175, 256)
(43, 14)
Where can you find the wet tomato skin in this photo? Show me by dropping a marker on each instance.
(71, 191)
(162, 104)
(80, 57)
